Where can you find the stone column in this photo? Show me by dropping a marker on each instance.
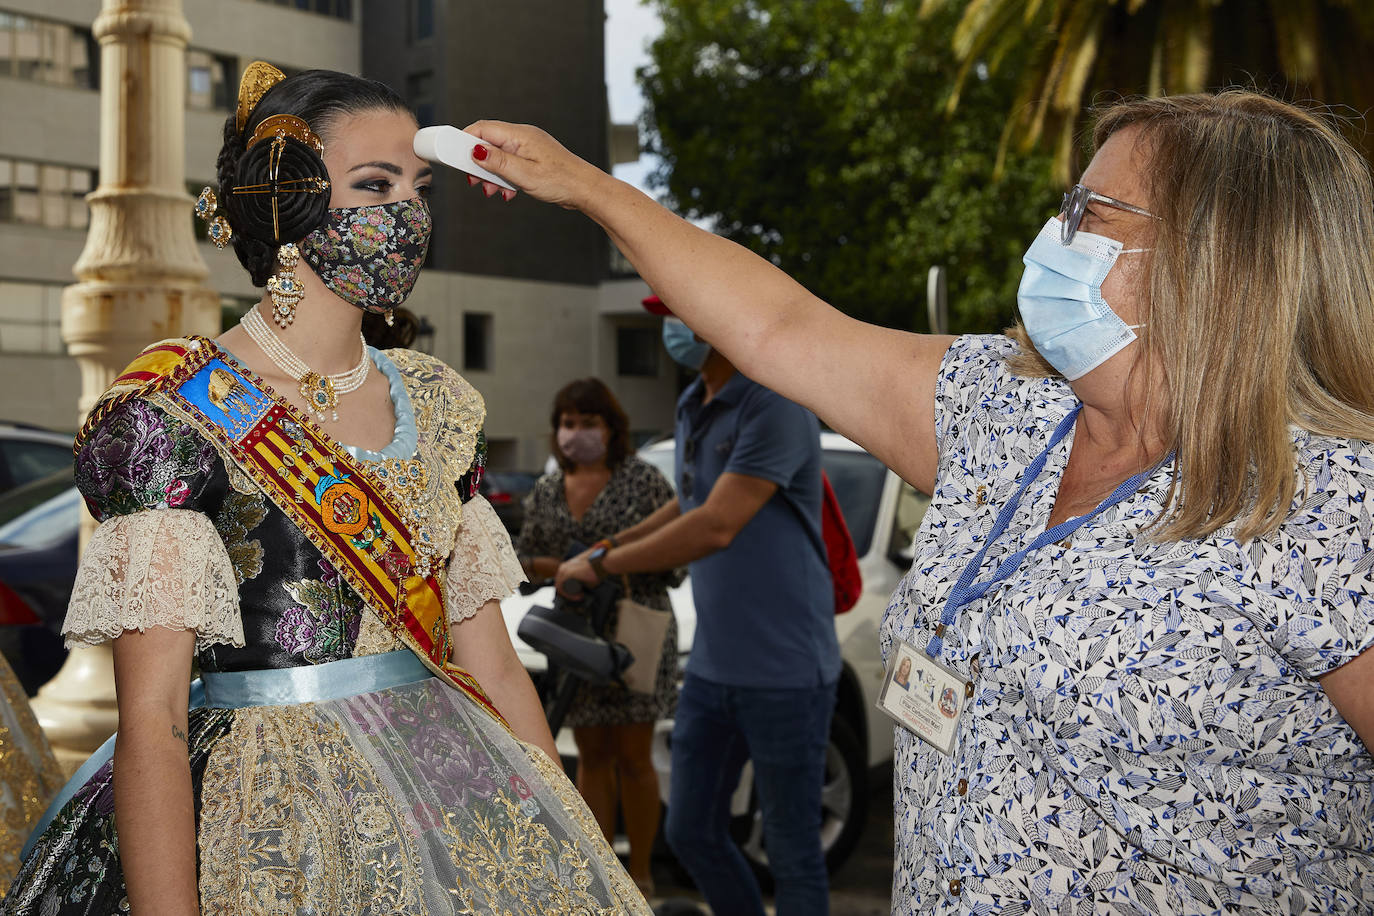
(140, 279)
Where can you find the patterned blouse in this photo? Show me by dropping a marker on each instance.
(1146, 733)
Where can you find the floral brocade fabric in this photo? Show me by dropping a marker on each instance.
(371, 256)
(403, 800)
(141, 459)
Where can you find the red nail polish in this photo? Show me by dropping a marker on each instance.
(507, 196)
(479, 152)
(490, 189)
(472, 180)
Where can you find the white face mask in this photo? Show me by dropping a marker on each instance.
(1061, 302)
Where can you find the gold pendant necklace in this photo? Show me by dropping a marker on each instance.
(321, 392)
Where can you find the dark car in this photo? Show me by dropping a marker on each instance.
(28, 453)
(39, 525)
(506, 490)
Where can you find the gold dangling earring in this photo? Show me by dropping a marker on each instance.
(390, 318)
(284, 288)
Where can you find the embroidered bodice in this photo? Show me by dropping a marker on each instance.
(188, 539)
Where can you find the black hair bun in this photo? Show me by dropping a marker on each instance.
(302, 200)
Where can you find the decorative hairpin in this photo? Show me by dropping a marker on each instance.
(219, 229)
(258, 77)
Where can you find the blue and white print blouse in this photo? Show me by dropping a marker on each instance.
(1146, 733)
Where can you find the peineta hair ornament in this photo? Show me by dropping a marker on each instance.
(258, 77)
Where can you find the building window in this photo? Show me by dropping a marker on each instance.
(47, 52)
(422, 20)
(636, 351)
(208, 80)
(339, 9)
(420, 96)
(30, 317)
(476, 341)
(419, 86)
(40, 194)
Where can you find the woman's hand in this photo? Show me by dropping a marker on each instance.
(577, 568)
(533, 161)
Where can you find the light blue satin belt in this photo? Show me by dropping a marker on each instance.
(313, 683)
(266, 687)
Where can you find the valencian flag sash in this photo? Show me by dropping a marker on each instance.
(346, 509)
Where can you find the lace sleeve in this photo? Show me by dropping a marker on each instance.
(483, 564)
(157, 568)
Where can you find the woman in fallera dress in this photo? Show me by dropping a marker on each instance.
(29, 774)
(298, 513)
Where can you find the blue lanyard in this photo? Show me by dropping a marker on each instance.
(965, 591)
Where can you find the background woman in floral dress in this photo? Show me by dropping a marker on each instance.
(601, 488)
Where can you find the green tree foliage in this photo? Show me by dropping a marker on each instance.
(816, 134)
(1070, 52)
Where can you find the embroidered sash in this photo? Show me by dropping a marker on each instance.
(345, 507)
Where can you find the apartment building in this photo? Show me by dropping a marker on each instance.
(519, 297)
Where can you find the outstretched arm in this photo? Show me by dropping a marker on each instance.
(661, 516)
(734, 500)
(875, 385)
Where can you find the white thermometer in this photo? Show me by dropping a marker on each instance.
(453, 147)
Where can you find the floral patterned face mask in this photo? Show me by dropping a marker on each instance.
(370, 256)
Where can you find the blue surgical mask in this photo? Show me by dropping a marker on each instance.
(683, 346)
(1061, 301)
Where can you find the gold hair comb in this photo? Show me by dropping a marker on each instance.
(258, 77)
(286, 125)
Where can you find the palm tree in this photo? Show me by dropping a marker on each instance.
(1087, 50)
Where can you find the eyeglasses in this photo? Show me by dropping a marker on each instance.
(1075, 204)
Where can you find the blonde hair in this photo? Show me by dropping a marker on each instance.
(1260, 298)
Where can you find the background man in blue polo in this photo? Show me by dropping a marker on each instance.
(760, 682)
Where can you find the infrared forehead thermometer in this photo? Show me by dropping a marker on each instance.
(453, 147)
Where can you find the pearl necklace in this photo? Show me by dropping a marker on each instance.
(321, 392)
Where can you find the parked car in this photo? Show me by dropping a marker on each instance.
(882, 513)
(39, 521)
(30, 452)
(506, 490)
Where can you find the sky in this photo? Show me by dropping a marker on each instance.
(630, 26)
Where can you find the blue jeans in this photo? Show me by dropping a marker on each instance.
(785, 732)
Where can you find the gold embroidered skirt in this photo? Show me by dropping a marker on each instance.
(408, 800)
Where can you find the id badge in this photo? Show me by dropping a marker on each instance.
(923, 696)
